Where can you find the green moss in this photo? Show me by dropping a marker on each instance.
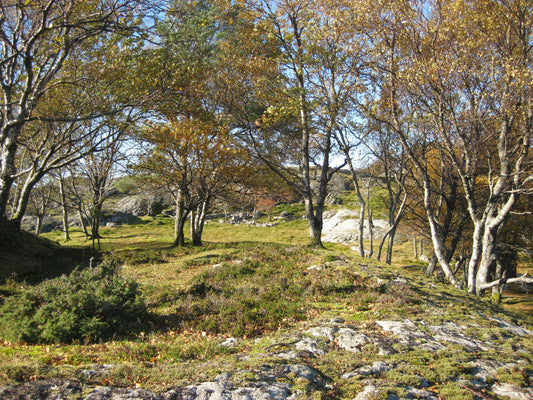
(455, 391)
(404, 377)
(517, 376)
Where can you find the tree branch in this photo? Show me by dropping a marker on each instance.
(519, 279)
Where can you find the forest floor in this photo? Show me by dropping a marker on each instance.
(255, 313)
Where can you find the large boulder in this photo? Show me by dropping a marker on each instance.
(140, 205)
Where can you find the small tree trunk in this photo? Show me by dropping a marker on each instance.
(197, 222)
(64, 208)
(39, 224)
(24, 198)
(314, 223)
(487, 260)
(371, 233)
(82, 220)
(7, 167)
(432, 265)
(415, 247)
(179, 223)
(498, 289)
(390, 245)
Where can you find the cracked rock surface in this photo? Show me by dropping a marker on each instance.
(295, 377)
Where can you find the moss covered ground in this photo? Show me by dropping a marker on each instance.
(260, 285)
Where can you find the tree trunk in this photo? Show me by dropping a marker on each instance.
(390, 244)
(314, 217)
(96, 213)
(474, 258)
(394, 221)
(64, 207)
(179, 235)
(83, 221)
(488, 258)
(24, 197)
(179, 222)
(432, 265)
(314, 223)
(198, 221)
(7, 168)
(371, 234)
(436, 236)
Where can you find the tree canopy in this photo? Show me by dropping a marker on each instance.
(438, 92)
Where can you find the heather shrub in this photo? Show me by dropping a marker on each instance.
(89, 304)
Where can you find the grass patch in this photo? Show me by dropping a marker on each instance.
(256, 284)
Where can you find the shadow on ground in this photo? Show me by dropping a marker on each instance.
(26, 257)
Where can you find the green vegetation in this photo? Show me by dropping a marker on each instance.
(90, 304)
(263, 286)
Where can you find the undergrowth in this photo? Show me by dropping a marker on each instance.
(259, 285)
(88, 304)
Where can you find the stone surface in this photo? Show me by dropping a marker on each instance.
(370, 392)
(311, 345)
(375, 368)
(342, 226)
(49, 389)
(512, 391)
(325, 332)
(350, 340)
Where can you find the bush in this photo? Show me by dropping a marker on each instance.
(126, 184)
(89, 304)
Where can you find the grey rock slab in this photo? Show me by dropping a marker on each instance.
(218, 391)
(110, 393)
(303, 371)
(311, 345)
(350, 340)
(452, 333)
(292, 355)
(230, 342)
(512, 391)
(375, 369)
(485, 371)
(421, 394)
(400, 327)
(326, 332)
(384, 349)
(340, 226)
(408, 333)
(47, 389)
(97, 370)
(515, 329)
(370, 392)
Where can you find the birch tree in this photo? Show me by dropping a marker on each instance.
(36, 39)
(457, 74)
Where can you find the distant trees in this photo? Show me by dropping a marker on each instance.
(392, 168)
(97, 169)
(190, 148)
(196, 161)
(318, 82)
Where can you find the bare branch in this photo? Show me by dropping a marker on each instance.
(519, 279)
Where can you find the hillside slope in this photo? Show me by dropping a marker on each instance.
(261, 320)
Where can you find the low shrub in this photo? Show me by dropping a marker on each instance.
(89, 304)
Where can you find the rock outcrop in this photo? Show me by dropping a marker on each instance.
(295, 375)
